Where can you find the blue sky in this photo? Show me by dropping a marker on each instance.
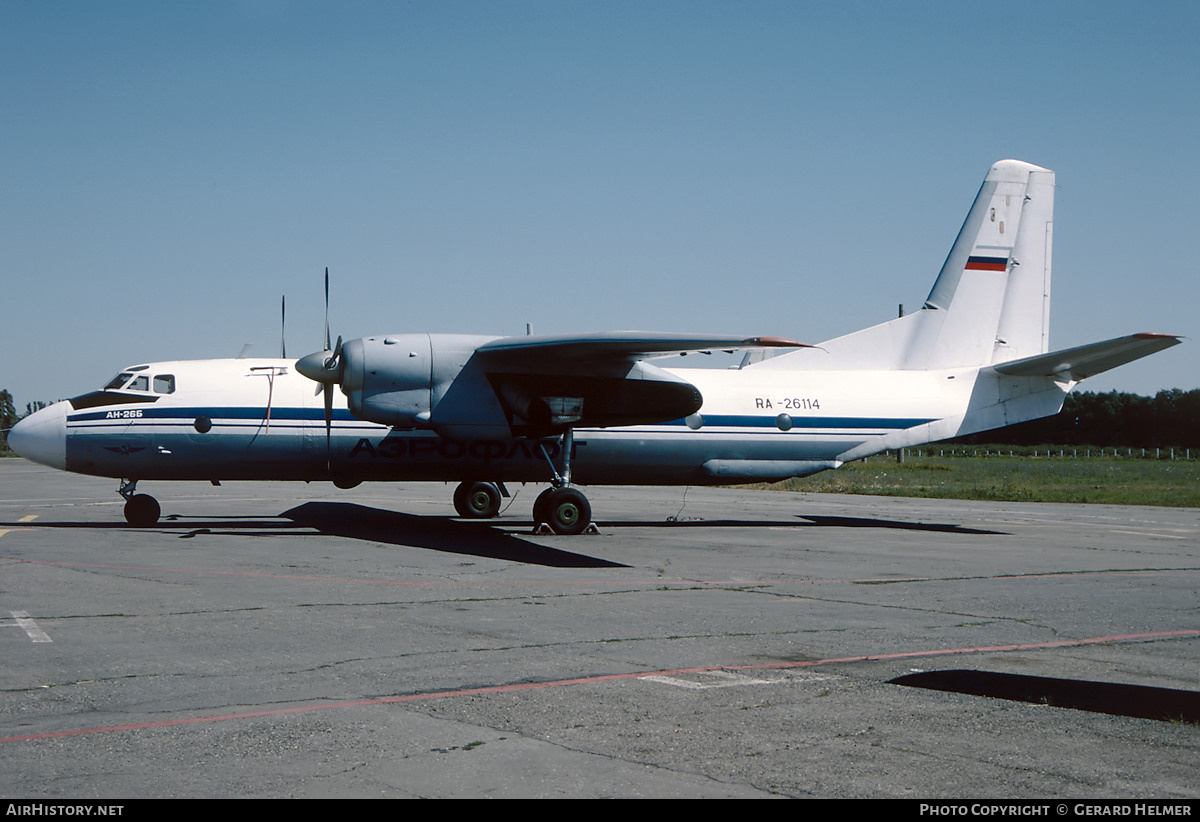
(796, 168)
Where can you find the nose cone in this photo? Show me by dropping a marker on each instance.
(42, 436)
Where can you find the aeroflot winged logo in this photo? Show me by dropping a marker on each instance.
(124, 450)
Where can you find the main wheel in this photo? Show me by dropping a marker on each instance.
(142, 510)
(567, 511)
(541, 506)
(477, 500)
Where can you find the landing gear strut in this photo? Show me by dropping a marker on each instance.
(141, 510)
(562, 507)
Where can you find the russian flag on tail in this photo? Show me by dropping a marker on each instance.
(981, 263)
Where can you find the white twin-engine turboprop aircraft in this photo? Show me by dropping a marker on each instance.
(590, 408)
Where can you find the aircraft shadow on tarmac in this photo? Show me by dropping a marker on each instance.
(469, 538)
(812, 522)
(863, 522)
(479, 539)
(341, 519)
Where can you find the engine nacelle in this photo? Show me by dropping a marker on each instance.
(397, 379)
(442, 382)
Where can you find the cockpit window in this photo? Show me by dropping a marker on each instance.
(163, 383)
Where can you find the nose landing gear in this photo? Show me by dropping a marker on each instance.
(141, 510)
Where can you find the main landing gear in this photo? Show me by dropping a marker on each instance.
(141, 510)
(562, 507)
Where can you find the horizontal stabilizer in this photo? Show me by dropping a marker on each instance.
(1075, 364)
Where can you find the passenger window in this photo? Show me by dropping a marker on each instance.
(141, 383)
(164, 383)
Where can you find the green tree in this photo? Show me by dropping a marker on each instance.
(8, 417)
(1171, 418)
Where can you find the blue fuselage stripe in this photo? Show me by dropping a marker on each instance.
(298, 417)
(169, 414)
(739, 421)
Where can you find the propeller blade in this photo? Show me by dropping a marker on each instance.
(283, 328)
(324, 367)
(328, 427)
(335, 361)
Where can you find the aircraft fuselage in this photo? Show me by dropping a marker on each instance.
(216, 424)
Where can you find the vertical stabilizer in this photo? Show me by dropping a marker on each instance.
(991, 300)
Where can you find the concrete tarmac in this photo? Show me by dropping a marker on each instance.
(292, 640)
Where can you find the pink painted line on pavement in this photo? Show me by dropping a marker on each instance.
(529, 686)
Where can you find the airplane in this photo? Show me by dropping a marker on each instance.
(592, 409)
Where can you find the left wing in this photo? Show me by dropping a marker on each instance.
(548, 383)
(618, 346)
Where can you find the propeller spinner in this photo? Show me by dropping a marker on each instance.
(324, 367)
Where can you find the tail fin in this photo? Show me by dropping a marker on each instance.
(991, 300)
(992, 297)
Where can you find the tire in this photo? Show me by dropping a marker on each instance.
(142, 510)
(541, 506)
(567, 511)
(477, 500)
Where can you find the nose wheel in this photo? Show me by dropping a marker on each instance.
(141, 510)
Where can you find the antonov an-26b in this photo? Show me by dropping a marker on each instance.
(592, 408)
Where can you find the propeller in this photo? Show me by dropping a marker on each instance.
(283, 328)
(325, 367)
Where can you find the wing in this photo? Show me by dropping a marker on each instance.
(620, 346)
(548, 383)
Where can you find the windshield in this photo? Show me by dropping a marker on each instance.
(132, 381)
